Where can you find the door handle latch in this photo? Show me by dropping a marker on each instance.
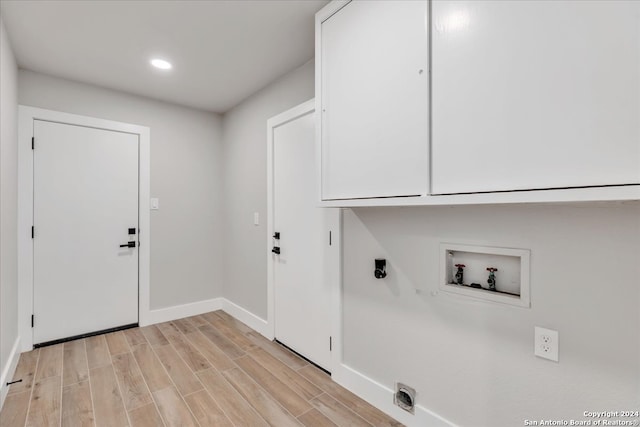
(129, 245)
(276, 250)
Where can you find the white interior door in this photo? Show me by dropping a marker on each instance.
(85, 202)
(302, 297)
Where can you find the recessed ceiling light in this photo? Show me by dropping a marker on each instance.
(161, 63)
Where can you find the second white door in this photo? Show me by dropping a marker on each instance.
(302, 296)
(85, 203)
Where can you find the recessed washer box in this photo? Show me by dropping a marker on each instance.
(511, 277)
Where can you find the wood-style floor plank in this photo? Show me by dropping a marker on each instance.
(153, 335)
(192, 357)
(26, 371)
(77, 409)
(366, 411)
(145, 416)
(173, 410)
(234, 322)
(109, 408)
(266, 405)
(229, 348)
(45, 402)
(293, 379)
(152, 370)
(337, 412)
(97, 352)
(235, 406)
(287, 357)
(211, 316)
(117, 343)
(288, 398)
(350, 400)
(314, 418)
(185, 326)
(207, 370)
(132, 386)
(74, 364)
(184, 379)
(206, 410)
(169, 330)
(319, 378)
(233, 335)
(50, 362)
(14, 411)
(197, 320)
(134, 337)
(212, 352)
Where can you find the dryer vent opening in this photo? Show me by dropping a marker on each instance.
(405, 397)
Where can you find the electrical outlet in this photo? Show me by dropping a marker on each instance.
(546, 343)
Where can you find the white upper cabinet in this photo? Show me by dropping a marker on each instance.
(525, 94)
(372, 92)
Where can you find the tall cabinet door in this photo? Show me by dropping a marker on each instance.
(374, 90)
(535, 94)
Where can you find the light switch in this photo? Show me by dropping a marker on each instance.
(155, 204)
(256, 218)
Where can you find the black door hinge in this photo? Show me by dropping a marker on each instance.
(33, 142)
(330, 344)
(329, 237)
(33, 319)
(33, 232)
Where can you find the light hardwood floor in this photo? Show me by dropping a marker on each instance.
(206, 370)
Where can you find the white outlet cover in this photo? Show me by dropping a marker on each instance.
(155, 203)
(546, 343)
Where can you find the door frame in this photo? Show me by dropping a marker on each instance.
(26, 117)
(332, 254)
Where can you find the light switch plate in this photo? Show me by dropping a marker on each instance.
(546, 343)
(256, 218)
(155, 203)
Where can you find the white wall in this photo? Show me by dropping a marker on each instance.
(186, 241)
(8, 200)
(472, 362)
(245, 186)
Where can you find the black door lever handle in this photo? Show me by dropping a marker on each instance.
(129, 245)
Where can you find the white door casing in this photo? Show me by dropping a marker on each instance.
(85, 201)
(303, 278)
(28, 116)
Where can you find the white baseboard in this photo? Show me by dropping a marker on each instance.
(180, 311)
(251, 320)
(8, 370)
(382, 398)
(185, 310)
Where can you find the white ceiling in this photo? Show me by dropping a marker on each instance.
(222, 51)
